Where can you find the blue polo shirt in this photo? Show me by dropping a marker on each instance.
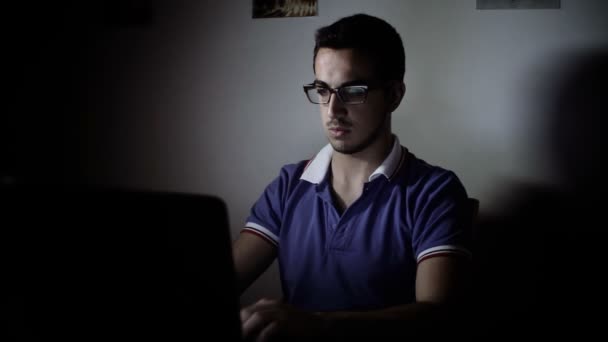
(365, 258)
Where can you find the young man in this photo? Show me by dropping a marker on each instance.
(369, 238)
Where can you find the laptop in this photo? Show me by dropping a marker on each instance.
(89, 264)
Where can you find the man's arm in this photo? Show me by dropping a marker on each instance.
(252, 255)
(441, 287)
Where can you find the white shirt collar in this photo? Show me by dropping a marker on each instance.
(317, 167)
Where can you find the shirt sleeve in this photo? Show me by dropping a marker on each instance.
(443, 224)
(266, 214)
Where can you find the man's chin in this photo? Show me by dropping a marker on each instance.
(342, 147)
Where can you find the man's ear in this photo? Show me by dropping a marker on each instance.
(396, 92)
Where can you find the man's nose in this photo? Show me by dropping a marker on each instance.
(335, 107)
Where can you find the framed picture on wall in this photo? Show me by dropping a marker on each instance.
(284, 8)
(518, 4)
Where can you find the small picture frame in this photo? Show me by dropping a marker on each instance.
(284, 8)
(517, 4)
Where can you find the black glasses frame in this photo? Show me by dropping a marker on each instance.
(338, 91)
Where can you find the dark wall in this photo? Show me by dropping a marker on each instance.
(60, 56)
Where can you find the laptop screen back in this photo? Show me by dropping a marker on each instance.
(99, 264)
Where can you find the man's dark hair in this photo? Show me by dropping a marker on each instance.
(373, 37)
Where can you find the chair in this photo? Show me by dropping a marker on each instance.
(474, 209)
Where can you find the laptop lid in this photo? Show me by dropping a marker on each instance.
(93, 264)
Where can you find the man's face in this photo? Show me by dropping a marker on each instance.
(350, 128)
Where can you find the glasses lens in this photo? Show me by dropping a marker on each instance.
(318, 94)
(354, 94)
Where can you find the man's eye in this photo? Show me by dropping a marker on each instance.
(354, 91)
(353, 94)
(323, 91)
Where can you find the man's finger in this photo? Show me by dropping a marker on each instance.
(267, 301)
(245, 314)
(256, 322)
(267, 333)
(261, 305)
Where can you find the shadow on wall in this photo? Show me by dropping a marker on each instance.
(66, 64)
(538, 261)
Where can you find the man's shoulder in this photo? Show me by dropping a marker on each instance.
(421, 177)
(294, 170)
(417, 169)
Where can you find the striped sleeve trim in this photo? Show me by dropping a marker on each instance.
(255, 228)
(443, 250)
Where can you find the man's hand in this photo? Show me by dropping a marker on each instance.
(269, 319)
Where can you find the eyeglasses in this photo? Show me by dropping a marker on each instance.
(355, 94)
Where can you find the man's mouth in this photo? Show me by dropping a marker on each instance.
(339, 131)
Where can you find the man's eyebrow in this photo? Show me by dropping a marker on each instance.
(320, 84)
(345, 84)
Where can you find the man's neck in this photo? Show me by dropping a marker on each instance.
(355, 169)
